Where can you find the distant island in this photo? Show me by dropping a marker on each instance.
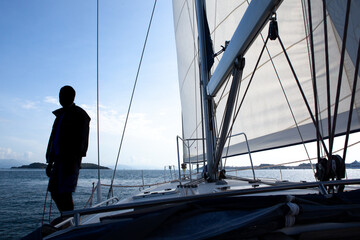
(38, 165)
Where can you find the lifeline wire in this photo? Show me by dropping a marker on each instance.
(131, 99)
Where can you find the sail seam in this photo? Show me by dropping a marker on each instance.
(180, 14)
(196, 54)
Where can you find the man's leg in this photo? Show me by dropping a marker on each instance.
(64, 201)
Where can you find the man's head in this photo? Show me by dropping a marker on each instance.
(66, 96)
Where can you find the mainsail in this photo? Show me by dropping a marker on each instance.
(273, 113)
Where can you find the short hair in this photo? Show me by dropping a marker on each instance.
(67, 96)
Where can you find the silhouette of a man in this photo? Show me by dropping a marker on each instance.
(68, 143)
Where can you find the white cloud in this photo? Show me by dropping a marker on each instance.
(112, 122)
(28, 155)
(29, 105)
(149, 138)
(8, 153)
(52, 100)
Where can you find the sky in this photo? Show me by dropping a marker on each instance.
(45, 45)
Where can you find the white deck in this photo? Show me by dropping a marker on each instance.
(173, 190)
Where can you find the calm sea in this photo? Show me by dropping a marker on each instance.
(22, 192)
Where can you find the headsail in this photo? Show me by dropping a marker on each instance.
(265, 116)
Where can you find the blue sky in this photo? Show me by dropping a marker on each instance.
(45, 45)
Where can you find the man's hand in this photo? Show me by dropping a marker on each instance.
(48, 169)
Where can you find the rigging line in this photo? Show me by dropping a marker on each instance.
(50, 210)
(302, 94)
(327, 69)
(308, 32)
(234, 110)
(341, 100)
(286, 163)
(199, 124)
(288, 102)
(223, 94)
(297, 161)
(314, 82)
(275, 56)
(236, 103)
(43, 217)
(248, 86)
(132, 96)
(220, 98)
(229, 108)
(280, 53)
(202, 129)
(195, 90)
(97, 90)
(332, 134)
(223, 117)
(352, 101)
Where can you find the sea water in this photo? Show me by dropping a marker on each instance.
(23, 192)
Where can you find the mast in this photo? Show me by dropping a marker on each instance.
(208, 107)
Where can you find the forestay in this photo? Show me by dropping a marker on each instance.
(265, 115)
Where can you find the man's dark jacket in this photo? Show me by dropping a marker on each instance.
(72, 144)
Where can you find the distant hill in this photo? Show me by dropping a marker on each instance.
(8, 163)
(43, 166)
(33, 166)
(92, 166)
(353, 165)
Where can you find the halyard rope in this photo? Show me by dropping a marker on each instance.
(131, 99)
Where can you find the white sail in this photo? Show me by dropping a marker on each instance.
(265, 116)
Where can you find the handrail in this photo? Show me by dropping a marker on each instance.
(248, 147)
(76, 218)
(106, 201)
(197, 139)
(63, 222)
(135, 186)
(216, 195)
(178, 153)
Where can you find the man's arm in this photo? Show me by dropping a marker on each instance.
(85, 135)
(50, 153)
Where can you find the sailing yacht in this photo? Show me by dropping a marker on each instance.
(253, 76)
